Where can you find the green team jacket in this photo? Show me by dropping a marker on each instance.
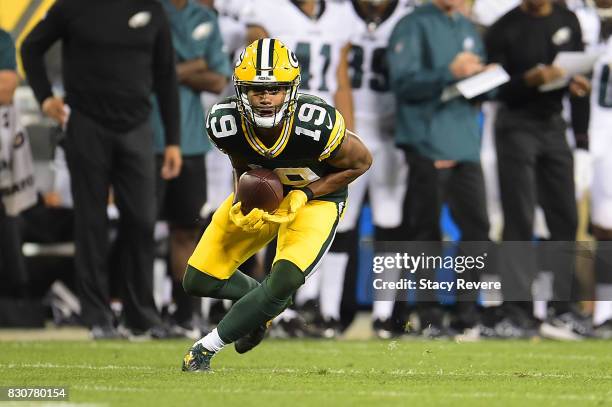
(421, 48)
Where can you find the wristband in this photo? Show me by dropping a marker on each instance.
(308, 192)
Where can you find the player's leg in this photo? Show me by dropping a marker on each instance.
(185, 196)
(212, 269)
(387, 187)
(301, 245)
(219, 184)
(334, 265)
(517, 149)
(466, 200)
(422, 208)
(89, 160)
(601, 215)
(556, 193)
(133, 178)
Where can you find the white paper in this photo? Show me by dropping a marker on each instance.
(572, 63)
(576, 63)
(483, 82)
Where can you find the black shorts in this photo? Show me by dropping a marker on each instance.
(181, 199)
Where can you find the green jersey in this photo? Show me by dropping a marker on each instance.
(309, 137)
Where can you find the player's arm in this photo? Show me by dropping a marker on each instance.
(210, 72)
(8, 83)
(33, 49)
(196, 75)
(240, 166)
(353, 159)
(343, 98)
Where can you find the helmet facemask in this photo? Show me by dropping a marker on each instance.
(266, 116)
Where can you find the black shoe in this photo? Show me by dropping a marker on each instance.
(434, 331)
(383, 329)
(604, 331)
(569, 326)
(293, 328)
(331, 328)
(310, 311)
(197, 359)
(507, 328)
(158, 332)
(105, 332)
(252, 339)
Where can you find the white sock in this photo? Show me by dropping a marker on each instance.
(212, 341)
(603, 308)
(310, 289)
(382, 310)
(287, 315)
(332, 284)
(540, 309)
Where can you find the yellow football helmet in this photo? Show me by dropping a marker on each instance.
(267, 63)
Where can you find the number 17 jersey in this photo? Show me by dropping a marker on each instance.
(311, 135)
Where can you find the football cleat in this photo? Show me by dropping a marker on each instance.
(383, 329)
(197, 359)
(604, 331)
(252, 339)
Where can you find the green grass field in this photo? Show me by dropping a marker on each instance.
(319, 373)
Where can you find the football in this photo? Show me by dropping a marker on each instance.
(260, 188)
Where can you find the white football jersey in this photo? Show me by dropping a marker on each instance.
(317, 42)
(372, 97)
(486, 12)
(601, 103)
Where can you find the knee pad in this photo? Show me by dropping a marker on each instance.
(284, 280)
(198, 284)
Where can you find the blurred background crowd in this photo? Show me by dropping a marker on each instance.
(108, 179)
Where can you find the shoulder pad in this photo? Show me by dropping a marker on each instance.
(321, 122)
(223, 122)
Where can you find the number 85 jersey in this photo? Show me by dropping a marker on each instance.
(311, 135)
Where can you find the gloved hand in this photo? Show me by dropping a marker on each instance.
(288, 208)
(251, 223)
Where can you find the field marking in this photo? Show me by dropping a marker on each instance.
(411, 372)
(51, 404)
(323, 371)
(360, 393)
(59, 366)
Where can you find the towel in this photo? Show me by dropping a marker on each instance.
(16, 167)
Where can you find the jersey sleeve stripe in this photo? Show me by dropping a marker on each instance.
(335, 138)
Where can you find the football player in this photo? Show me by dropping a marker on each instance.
(304, 140)
(385, 183)
(315, 31)
(601, 192)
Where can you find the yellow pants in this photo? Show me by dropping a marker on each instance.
(224, 246)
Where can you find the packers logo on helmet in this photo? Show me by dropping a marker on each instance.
(267, 65)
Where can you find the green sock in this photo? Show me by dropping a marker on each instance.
(263, 303)
(200, 284)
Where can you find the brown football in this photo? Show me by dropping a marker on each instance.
(260, 188)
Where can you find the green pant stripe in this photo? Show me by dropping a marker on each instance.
(328, 241)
